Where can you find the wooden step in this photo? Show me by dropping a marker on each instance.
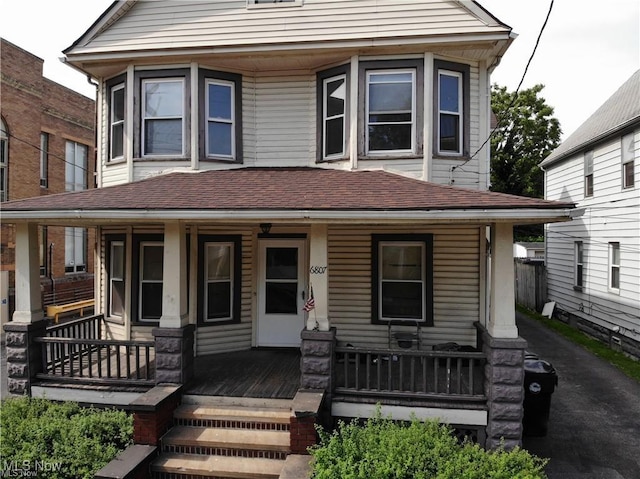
(270, 418)
(227, 442)
(170, 465)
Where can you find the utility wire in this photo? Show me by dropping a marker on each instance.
(48, 153)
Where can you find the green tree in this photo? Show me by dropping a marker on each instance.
(526, 134)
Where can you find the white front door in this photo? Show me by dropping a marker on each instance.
(281, 292)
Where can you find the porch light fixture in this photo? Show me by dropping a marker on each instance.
(265, 227)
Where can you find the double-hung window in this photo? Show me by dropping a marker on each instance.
(578, 272)
(451, 108)
(390, 111)
(628, 161)
(44, 160)
(402, 283)
(116, 293)
(221, 125)
(334, 110)
(163, 117)
(220, 278)
(116, 122)
(76, 164)
(4, 160)
(588, 173)
(614, 266)
(150, 280)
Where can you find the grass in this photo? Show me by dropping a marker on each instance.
(627, 365)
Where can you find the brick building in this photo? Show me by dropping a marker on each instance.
(47, 147)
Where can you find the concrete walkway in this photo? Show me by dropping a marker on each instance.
(594, 426)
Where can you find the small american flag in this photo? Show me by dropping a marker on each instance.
(309, 303)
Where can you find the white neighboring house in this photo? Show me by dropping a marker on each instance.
(594, 261)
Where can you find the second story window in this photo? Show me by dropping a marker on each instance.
(588, 173)
(334, 94)
(390, 111)
(75, 166)
(628, 161)
(44, 160)
(4, 160)
(449, 112)
(163, 116)
(116, 122)
(614, 266)
(221, 125)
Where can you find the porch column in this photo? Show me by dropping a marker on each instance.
(319, 278)
(24, 355)
(174, 338)
(502, 317)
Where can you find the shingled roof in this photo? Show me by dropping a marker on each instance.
(275, 189)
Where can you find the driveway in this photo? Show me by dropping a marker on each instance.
(594, 424)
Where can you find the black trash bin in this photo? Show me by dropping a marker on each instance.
(540, 380)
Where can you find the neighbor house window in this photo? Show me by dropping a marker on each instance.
(579, 265)
(390, 111)
(220, 278)
(628, 161)
(451, 108)
(4, 161)
(116, 122)
(44, 250)
(44, 160)
(75, 245)
(402, 278)
(614, 266)
(588, 173)
(75, 250)
(150, 276)
(163, 117)
(116, 266)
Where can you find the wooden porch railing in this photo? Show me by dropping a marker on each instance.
(75, 352)
(410, 374)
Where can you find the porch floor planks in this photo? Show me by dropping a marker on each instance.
(258, 373)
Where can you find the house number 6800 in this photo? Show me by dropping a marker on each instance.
(318, 269)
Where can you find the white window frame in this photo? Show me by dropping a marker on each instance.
(75, 250)
(113, 278)
(326, 118)
(44, 159)
(207, 281)
(628, 161)
(144, 118)
(413, 122)
(614, 266)
(588, 174)
(113, 123)
(578, 269)
(141, 280)
(232, 121)
(459, 113)
(423, 261)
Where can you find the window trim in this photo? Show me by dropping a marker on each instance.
(465, 71)
(379, 240)
(138, 239)
(204, 77)
(322, 78)
(627, 154)
(236, 281)
(588, 174)
(415, 64)
(613, 247)
(113, 85)
(110, 240)
(578, 265)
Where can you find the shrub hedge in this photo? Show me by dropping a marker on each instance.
(68, 440)
(384, 449)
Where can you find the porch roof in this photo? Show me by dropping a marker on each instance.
(295, 193)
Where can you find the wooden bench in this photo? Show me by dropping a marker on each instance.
(56, 310)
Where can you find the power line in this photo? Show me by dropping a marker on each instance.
(48, 153)
(513, 100)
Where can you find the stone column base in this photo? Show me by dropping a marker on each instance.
(174, 354)
(24, 355)
(316, 363)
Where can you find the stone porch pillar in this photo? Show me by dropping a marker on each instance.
(319, 278)
(175, 337)
(24, 355)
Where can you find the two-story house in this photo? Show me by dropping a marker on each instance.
(254, 153)
(594, 262)
(47, 136)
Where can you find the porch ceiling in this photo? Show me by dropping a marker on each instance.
(283, 194)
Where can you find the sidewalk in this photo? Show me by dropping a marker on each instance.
(594, 427)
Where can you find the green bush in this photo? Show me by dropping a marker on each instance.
(384, 449)
(68, 440)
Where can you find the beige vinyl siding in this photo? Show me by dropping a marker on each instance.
(188, 24)
(611, 215)
(212, 339)
(115, 174)
(456, 285)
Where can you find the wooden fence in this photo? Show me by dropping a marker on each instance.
(531, 283)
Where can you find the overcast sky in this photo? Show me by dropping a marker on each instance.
(589, 47)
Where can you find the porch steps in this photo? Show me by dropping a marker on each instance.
(216, 438)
